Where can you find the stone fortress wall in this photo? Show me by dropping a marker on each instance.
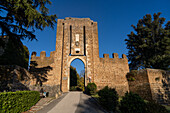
(42, 61)
(112, 72)
(152, 84)
(78, 38)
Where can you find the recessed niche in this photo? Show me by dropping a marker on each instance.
(157, 79)
(77, 51)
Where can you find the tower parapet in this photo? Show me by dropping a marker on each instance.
(42, 60)
(115, 57)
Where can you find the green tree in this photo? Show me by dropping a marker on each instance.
(20, 18)
(76, 81)
(15, 53)
(73, 76)
(149, 45)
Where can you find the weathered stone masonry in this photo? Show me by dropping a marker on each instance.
(78, 38)
(152, 84)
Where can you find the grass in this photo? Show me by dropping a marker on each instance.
(167, 107)
(96, 96)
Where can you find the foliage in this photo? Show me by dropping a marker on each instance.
(73, 88)
(153, 107)
(15, 53)
(108, 98)
(91, 88)
(76, 82)
(131, 75)
(132, 103)
(20, 18)
(17, 102)
(81, 83)
(73, 76)
(149, 47)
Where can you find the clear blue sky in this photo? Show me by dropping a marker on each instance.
(114, 18)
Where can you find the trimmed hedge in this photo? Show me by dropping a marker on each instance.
(17, 102)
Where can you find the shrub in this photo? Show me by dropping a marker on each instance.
(131, 75)
(73, 88)
(91, 88)
(132, 103)
(108, 98)
(17, 102)
(153, 107)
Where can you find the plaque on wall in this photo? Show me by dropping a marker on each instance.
(64, 78)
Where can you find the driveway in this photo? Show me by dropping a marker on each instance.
(73, 102)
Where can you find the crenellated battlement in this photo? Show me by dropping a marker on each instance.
(42, 54)
(42, 60)
(114, 56)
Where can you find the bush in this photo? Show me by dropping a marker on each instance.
(91, 88)
(108, 98)
(153, 107)
(131, 75)
(17, 102)
(73, 88)
(132, 103)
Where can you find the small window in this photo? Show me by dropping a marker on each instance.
(157, 79)
(77, 51)
(77, 37)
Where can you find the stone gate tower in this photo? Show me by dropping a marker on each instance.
(77, 38)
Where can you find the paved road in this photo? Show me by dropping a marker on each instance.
(73, 102)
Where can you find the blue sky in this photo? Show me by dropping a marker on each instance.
(114, 18)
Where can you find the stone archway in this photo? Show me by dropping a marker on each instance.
(71, 59)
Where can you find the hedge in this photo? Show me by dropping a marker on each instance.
(17, 102)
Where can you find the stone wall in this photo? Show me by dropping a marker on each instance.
(152, 84)
(141, 85)
(41, 61)
(112, 72)
(159, 81)
(15, 78)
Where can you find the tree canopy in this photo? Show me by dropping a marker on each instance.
(149, 45)
(76, 81)
(15, 53)
(20, 18)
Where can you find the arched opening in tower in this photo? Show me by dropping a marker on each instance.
(77, 75)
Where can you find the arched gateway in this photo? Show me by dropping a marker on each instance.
(78, 38)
